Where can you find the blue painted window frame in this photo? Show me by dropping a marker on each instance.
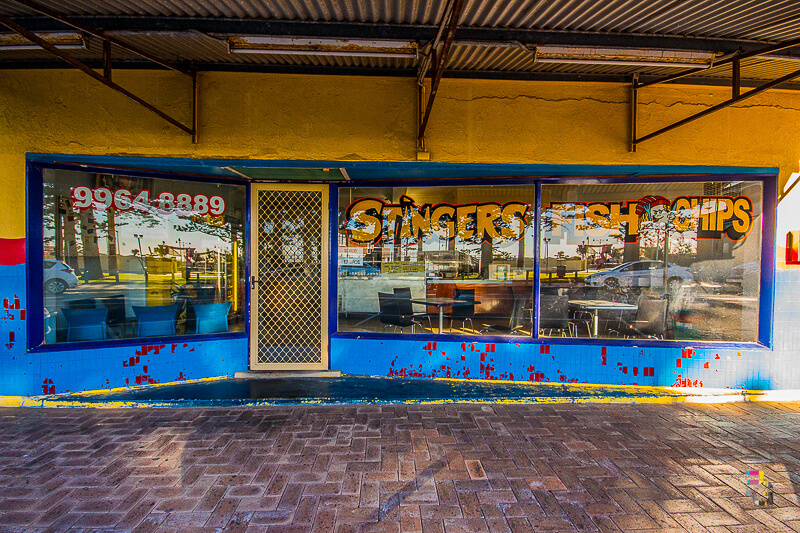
(769, 181)
(379, 173)
(34, 256)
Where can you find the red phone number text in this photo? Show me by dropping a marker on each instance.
(166, 202)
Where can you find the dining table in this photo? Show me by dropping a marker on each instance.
(595, 306)
(442, 302)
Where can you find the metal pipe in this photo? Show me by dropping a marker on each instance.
(748, 94)
(420, 107)
(99, 34)
(80, 66)
(107, 59)
(426, 61)
(195, 105)
(634, 110)
(442, 59)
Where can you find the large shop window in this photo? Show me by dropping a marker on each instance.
(436, 259)
(128, 257)
(651, 260)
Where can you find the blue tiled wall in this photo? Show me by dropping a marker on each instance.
(31, 373)
(760, 369)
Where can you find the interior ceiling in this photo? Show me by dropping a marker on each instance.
(493, 39)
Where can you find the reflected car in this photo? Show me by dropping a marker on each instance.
(745, 278)
(58, 277)
(641, 274)
(743, 271)
(365, 270)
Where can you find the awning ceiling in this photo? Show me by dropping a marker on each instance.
(493, 39)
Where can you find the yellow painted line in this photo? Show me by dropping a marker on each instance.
(142, 386)
(641, 389)
(636, 394)
(12, 401)
(53, 401)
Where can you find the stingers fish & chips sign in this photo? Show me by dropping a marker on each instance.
(370, 220)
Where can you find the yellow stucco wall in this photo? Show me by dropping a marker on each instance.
(271, 116)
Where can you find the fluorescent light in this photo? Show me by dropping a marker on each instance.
(62, 40)
(590, 55)
(243, 44)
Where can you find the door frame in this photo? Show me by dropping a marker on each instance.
(324, 275)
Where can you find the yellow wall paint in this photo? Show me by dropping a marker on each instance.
(272, 116)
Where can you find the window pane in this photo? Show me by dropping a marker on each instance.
(407, 253)
(652, 260)
(135, 257)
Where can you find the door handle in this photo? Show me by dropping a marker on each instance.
(253, 281)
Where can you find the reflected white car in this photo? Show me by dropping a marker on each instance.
(58, 277)
(743, 271)
(641, 274)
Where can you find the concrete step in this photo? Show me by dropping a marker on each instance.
(275, 374)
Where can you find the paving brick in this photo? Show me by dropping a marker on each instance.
(594, 467)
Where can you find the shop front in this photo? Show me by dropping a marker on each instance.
(611, 276)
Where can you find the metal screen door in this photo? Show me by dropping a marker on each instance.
(289, 281)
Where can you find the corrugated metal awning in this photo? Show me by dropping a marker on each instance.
(494, 37)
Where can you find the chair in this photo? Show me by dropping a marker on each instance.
(390, 312)
(554, 316)
(86, 324)
(211, 318)
(463, 312)
(116, 312)
(514, 321)
(651, 319)
(155, 320)
(83, 303)
(404, 293)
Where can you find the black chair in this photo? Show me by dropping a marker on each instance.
(390, 312)
(463, 313)
(404, 293)
(83, 303)
(116, 312)
(554, 316)
(514, 322)
(650, 321)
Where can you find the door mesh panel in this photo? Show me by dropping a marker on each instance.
(290, 271)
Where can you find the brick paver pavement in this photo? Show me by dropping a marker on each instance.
(430, 468)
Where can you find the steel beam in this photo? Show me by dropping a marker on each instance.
(409, 32)
(723, 105)
(85, 69)
(441, 61)
(375, 71)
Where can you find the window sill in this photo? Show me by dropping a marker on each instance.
(139, 341)
(585, 341)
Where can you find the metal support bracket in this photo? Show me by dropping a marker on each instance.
(435, 60)
(727, 103)
(736, 94)
(105, 78)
